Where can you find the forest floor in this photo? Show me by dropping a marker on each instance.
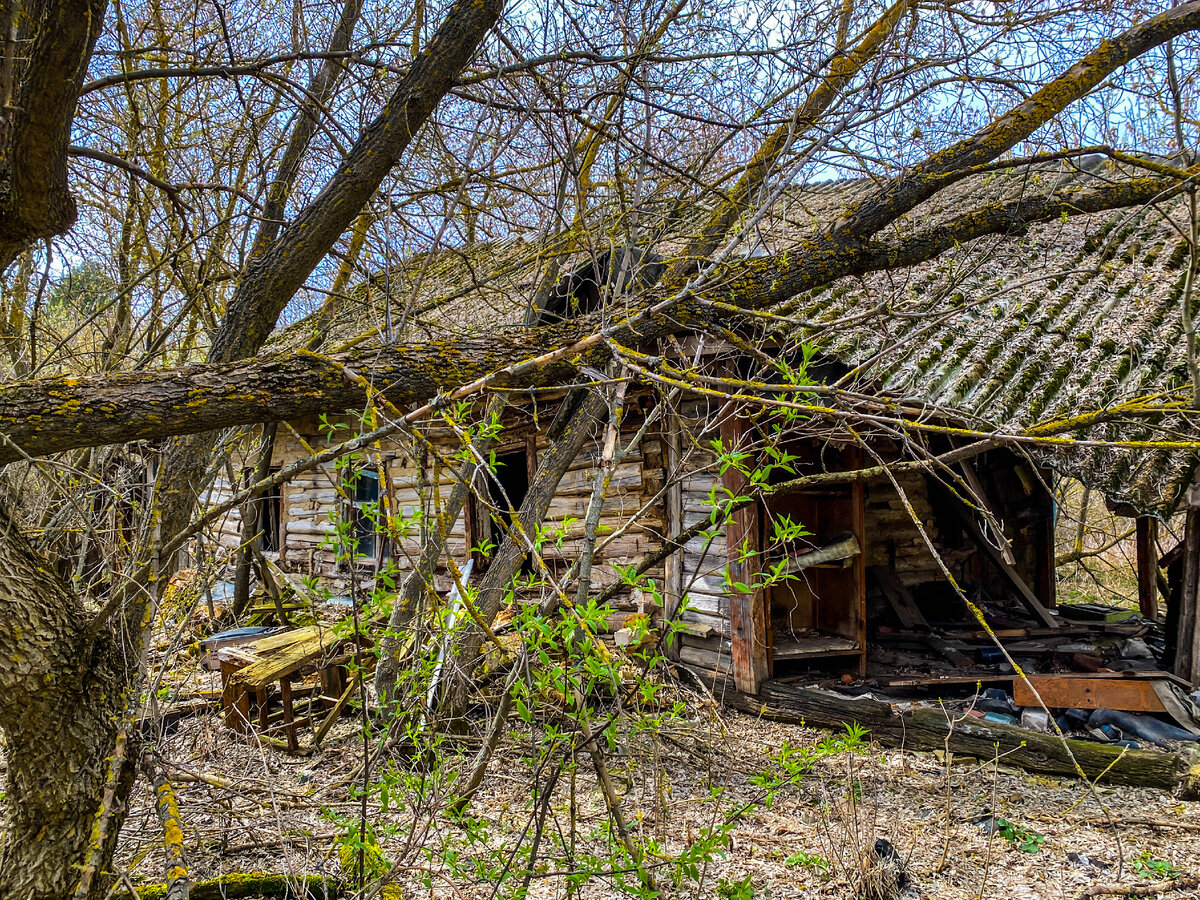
(248, 807)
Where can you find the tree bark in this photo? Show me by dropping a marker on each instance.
(575, 422)
(35, 128)
(251, 516)
(65, 697)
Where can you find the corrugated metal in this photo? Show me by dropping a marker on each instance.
(1013, 330)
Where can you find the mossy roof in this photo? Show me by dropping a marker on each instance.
(1013, 330)
(1003, 332)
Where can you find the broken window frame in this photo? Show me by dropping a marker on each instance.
(367, 535)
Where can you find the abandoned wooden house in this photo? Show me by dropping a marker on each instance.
(1005, 335)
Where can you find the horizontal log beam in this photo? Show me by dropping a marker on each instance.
(928, 729)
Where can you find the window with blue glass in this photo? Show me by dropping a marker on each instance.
(366, 516)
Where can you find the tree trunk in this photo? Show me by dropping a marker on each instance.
(574, 423)
(65, 700)
(251, 515)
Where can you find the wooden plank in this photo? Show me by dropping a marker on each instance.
(815, 646)
(899, 598)
(267, 645)
(1024, 592)
(1047, 547)
(981, 498)
(1092, 691)
(235, 701)
(858, 501)
(673, 565)
(286, 660)
(747, 610)
(952, 680)
(842, 549)
(1187, 660)
(289, 716)
(1146, 539)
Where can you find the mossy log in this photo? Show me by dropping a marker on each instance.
(928, 729)
(234, 886)
(52, 415)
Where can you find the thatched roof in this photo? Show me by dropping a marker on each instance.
(1001, 333)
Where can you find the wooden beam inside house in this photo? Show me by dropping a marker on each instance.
(1146, 539)
(1024, 591)
(981, 500)
(898, 597)
(1187, 636)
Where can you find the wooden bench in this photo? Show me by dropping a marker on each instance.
(308, 669)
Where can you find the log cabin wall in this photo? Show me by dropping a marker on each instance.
(632, 517)
(891, 540)
(307, 531)
(705, 644)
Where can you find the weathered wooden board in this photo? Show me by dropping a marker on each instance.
(1089, 691)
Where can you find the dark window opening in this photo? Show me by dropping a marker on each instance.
(366, 517)
(504, 492)
(582, 291)
(270, 519)
(512, 475)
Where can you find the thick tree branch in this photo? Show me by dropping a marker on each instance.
(843, 67)
(274, 276)
(904, 193)
(56, 414)
(35, 129)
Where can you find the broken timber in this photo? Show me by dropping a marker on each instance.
(275, 662)
(1024, 591)
(929, 729)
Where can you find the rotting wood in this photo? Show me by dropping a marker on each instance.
(951, 651)
(747, 610)
(1024, 592)
(1187, 665)
(674, 563)
(336, 710)
(1138, 888)
(985, 505)
(236, 886)
(898, 597)
(841, 549)
(923, 728)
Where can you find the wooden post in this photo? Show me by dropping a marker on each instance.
(1047, 564)
(747, 611)
(858, 493)
(1186, 651)
(1147, 565)
(289, 715)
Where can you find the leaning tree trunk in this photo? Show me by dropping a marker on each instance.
(574, 423)
(65, 701)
